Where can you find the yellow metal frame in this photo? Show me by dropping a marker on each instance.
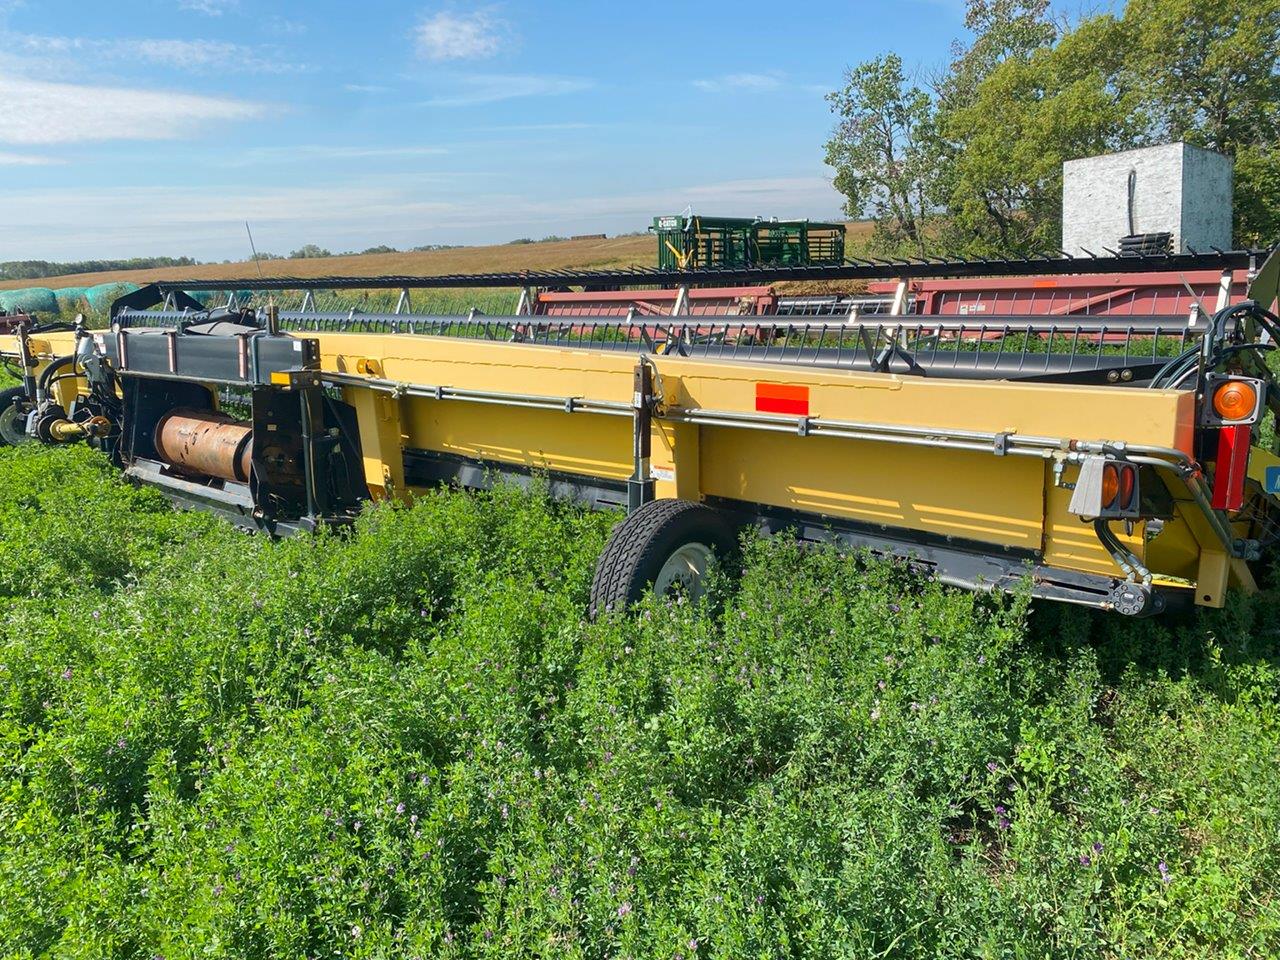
(709, 440)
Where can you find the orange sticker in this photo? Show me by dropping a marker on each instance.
(782, 398)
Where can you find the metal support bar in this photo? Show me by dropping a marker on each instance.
(1224, 291)
(307, 413)
(899, 306)
(682, 301)
(530, 400)
(640, 488)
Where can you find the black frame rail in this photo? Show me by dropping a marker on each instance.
(1119, 350)
(860, 269)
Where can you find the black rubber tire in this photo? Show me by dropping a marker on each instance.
(642, 543)
(7, 398)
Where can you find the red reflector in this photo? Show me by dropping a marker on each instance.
(1128, 483)
(782, 398)
(1232, 465)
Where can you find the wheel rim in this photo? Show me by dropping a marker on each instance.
(12, 429)
(685, 571)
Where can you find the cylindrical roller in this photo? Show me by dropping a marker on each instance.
(205, 442)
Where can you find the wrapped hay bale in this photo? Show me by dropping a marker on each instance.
(29, 300)
(70, 299)
(101, 296)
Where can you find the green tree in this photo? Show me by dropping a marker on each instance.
(1008, 138)
(1002, 30)
(1207, 74)
(309, 252)
(883, 151)
(978, 162)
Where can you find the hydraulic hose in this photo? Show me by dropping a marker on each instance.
(46, 375)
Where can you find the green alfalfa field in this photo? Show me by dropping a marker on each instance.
(408, 741)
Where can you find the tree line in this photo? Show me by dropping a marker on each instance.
(969, 159)
(37, 269)
(41, 269)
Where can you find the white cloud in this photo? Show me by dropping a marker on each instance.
(52, 53)
(455, 36)
(37, 112)
(210, 8)
(492, 87)
(365, 88)
(8, 159)
(740, 81)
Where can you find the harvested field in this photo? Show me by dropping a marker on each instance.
(585, 253)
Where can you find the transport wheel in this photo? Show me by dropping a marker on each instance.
(12, 428)
(666, 546)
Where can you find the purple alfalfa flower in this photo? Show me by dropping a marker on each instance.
(1003, 823)
(624, 908)
(895, 608)
(1098, 847)
(692, 945)
(1164, 871)
(982, 659)
(1085, 861)
(66, 674)
(992, 766)
(399, 808)
(1000, 809)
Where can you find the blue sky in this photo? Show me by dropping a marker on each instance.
(143, 127)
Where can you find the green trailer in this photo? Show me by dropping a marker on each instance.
(693, 242)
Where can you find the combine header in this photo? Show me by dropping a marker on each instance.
(1104, 446)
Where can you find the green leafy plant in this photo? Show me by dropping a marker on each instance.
(407, 741)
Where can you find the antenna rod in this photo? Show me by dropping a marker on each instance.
(273, 315)
(254, 250)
